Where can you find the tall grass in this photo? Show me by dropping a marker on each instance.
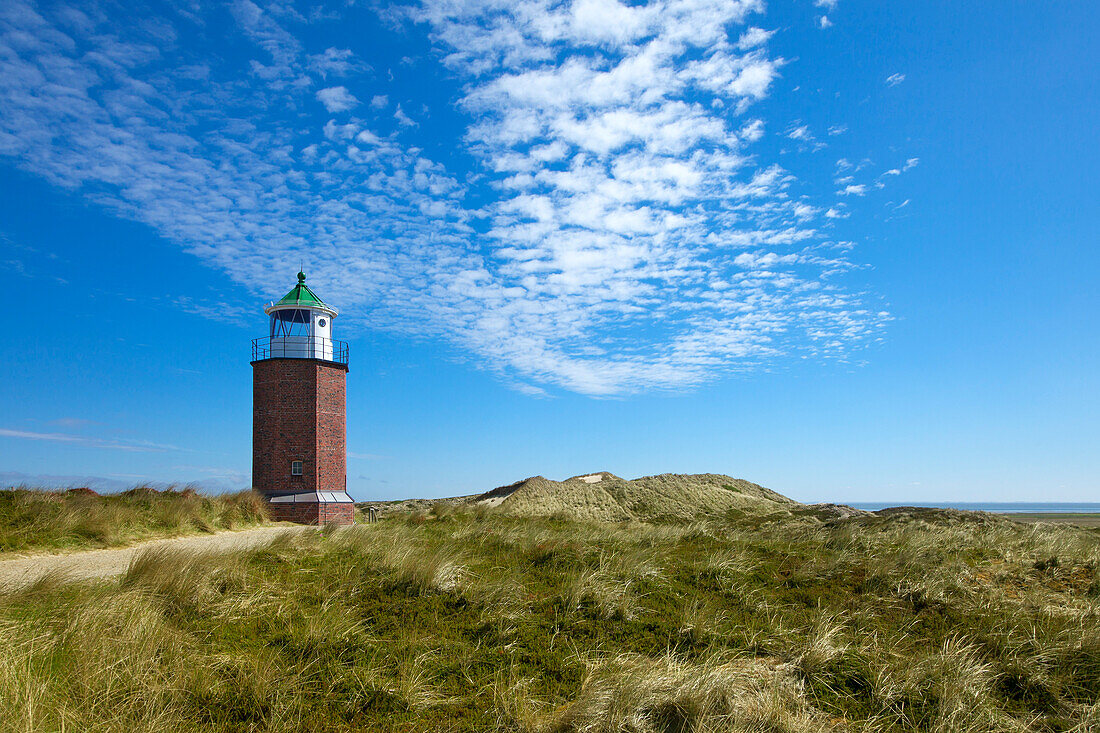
(458, 621)
(33, 519)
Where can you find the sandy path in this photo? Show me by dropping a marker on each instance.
(20, 571)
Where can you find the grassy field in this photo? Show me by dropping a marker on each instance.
(1081, 519)
(34, 520)
(924, 621)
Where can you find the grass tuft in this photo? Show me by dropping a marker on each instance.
(635, 693)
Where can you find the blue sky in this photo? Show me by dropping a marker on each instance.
(844, 249)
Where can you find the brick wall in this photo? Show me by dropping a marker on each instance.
(321, 513)
(332, 462)
(298, 414)
(336, 514)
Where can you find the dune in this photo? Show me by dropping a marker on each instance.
(603, 496)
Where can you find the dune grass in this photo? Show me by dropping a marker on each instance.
(1081, 519)
(40, 520)
(661, 498)
(473, 621)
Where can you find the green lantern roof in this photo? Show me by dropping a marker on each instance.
(300, 294)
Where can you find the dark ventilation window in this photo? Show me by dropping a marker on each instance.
(293, 322)
(295, 468)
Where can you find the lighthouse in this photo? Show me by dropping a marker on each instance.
(299, 408)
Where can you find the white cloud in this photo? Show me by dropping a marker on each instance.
(133, 446)
(752, 131)
(609, 21)
(402, 118)
(615, 180)
(823, 22)
(894, 79)
(619, 213)
(379, 101)
(805, 212)
(335, 62)
(909, 165)
(827, 4)
(801, 134)
(753, 79)
(337, 99)
(753, 37)
(855, 189)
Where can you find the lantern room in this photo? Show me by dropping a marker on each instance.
(301, 328)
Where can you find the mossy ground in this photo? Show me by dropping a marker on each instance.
(474, 621)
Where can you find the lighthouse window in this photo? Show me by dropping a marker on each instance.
(295, 468)
(293, 322)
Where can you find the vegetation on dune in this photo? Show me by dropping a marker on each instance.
(32, 519)
(608, 498)
(470, 620)
(1081, 519)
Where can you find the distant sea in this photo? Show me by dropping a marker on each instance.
(994, 506)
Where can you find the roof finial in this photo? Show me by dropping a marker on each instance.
(301, 278)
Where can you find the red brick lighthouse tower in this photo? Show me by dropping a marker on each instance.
(299, 446)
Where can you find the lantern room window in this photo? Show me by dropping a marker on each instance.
(291, 322)
(295, 468)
